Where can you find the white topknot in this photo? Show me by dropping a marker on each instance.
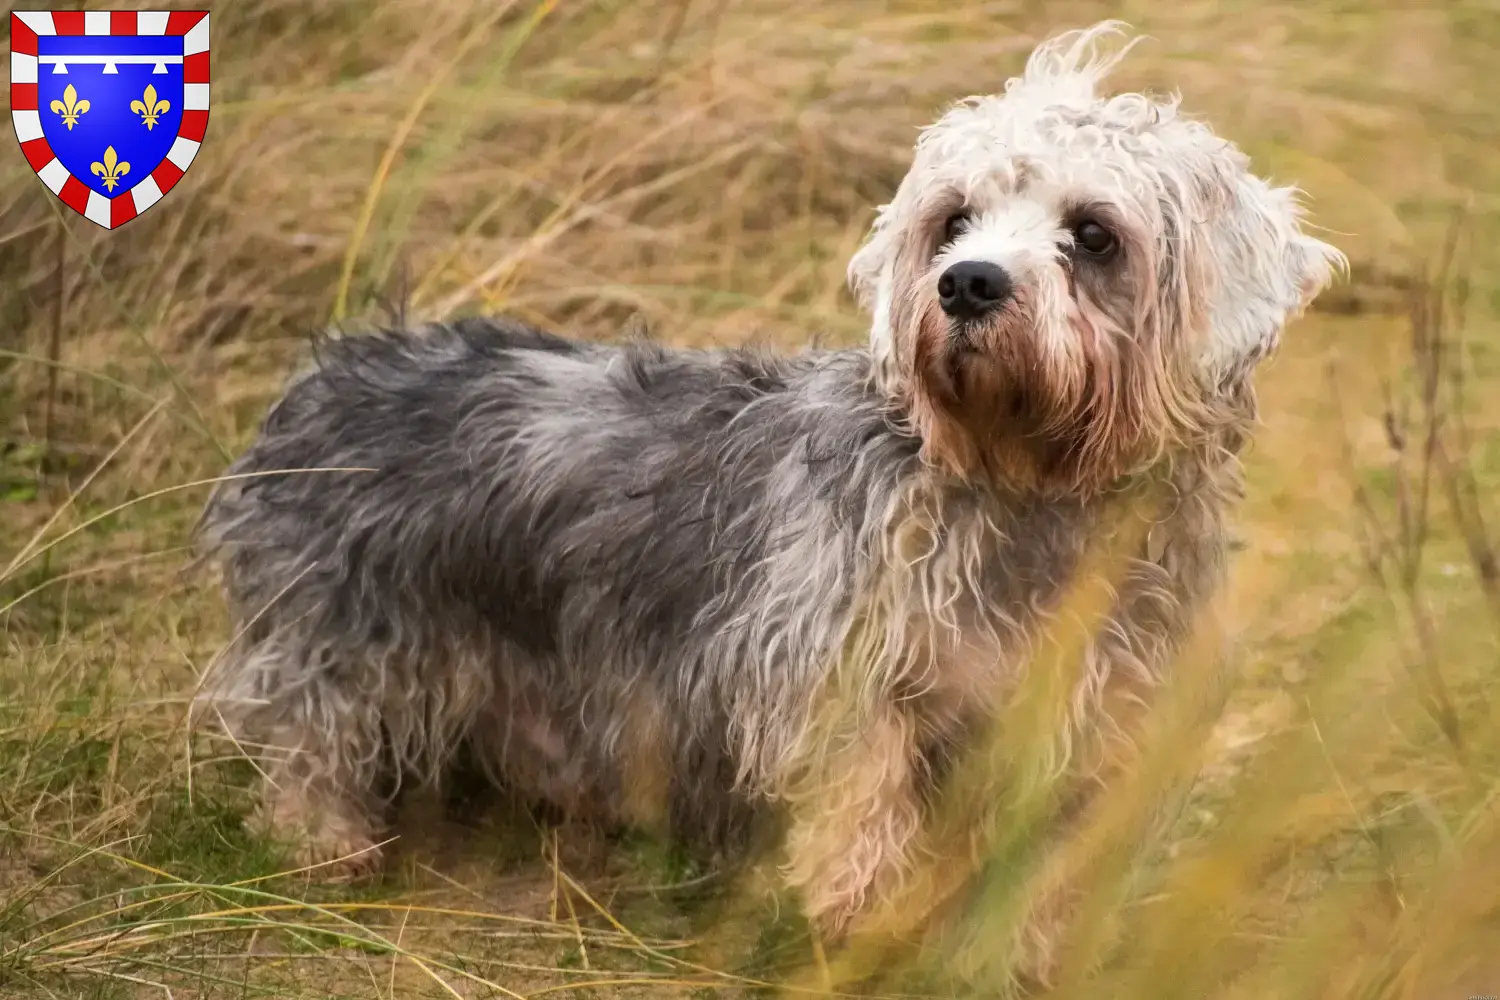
(1074, 62)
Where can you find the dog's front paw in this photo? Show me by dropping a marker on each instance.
(338, 856)
(336, 845)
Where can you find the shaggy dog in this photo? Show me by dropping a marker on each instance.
(627, 580)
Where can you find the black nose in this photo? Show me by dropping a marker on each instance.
(972, 288)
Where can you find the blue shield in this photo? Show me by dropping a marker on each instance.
(110, 107)
(98, 93)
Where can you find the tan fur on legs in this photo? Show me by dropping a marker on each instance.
(853, 824)
(646, 783)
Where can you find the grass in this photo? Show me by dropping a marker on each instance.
(706, 169)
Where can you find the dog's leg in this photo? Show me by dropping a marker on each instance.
(1054, 893)
(854, 825)
(1161, 615)
(318, 805)
(320, 750)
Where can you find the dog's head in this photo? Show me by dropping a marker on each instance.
(1066, 286)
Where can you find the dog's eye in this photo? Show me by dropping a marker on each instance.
(955, 227)
(1093, 239)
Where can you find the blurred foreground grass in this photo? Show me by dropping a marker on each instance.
(706, 168)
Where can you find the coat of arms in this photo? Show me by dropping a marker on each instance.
(110, 106)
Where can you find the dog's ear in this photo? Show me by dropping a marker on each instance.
(1268, 271)
(869, 263)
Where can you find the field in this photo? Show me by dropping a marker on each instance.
(705, 168)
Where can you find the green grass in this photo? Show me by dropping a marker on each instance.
(706, 169)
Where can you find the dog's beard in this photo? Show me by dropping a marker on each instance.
(1036, 406)
(984, 370)
(990, 374)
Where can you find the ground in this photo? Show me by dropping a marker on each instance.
(706, 168)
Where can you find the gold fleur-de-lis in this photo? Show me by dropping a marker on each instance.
(111, 170)
(150, 109)
(70, 107)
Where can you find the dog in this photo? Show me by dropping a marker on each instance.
(627, 580)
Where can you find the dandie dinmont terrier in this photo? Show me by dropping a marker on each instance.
(591, 567)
